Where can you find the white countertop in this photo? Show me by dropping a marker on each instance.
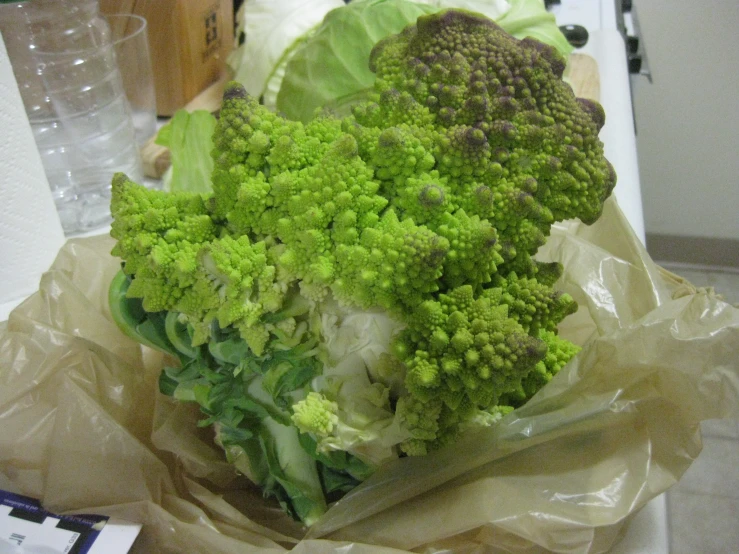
(647, 532)
(618, 135)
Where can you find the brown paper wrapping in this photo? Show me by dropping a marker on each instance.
(84, 428)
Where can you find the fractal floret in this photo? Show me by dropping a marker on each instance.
(362, 288)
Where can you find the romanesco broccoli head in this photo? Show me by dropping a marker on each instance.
(425, 206)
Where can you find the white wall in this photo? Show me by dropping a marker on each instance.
(688, 118)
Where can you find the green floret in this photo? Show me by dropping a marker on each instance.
(474, 254)
(361, 288)
(315, 414)
(521, 150)
(463, 352)
(533, 304)
(238, 274)
(401, 152)
(158, 235)
(559, 353)
(329, 215)
(240, 146)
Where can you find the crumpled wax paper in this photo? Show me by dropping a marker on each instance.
(84, 428)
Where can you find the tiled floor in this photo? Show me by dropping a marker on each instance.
(703, 508)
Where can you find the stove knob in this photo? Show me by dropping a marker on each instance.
(635, 63)
(576, 35)
(549, 3)
(626, 6)
(632, 44)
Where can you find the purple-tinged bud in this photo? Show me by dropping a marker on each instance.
(506, 129)
(234, 91)
(416, 86)
(478, 87)
(475, 137)
(494, 87)
(524, 199)
(505, 75)
(507, 104)
(571, 153)
(501, 155)
(530, 185)
(490, 238)
(484, 196)
(520, 85)
(536, 118)
(507, 250)
(446, 116)
(439, 72)
(478, 75)
(477, 105)
(406, 100)
(438, 251)
(431, 196)
(611, 178)
(449, 94)
(594, 110)
(549, 53)
(535, 348)
(418, 68)
(390, 138)
(554, 163)
(484, 126)
(528, 103)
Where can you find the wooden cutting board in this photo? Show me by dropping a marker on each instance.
(581, 73)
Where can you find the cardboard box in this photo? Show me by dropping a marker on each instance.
(189, 41)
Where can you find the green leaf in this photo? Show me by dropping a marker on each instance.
(336, 481)
(270, 28)
(131, 318)
(201, 393)
(188, 372)
(246, 404)
(331, 66)
(186, 391)
(294, 470)
(289, 375)
(231, 435)
(338, 460)
(173, 378)
(230, 351)
(153, 333)
(529, 18)
(167, 385)
(189, 137)
(179, 336)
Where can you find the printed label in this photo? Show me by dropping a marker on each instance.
(25, 527)
(212, 33)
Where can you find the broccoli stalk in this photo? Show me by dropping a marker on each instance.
(248, 399)
(289, 463)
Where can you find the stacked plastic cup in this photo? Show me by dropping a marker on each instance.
(64, 61)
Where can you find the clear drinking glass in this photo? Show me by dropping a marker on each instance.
(64, 61)
(129, 33)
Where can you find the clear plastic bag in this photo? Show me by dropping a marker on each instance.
(83, 427)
